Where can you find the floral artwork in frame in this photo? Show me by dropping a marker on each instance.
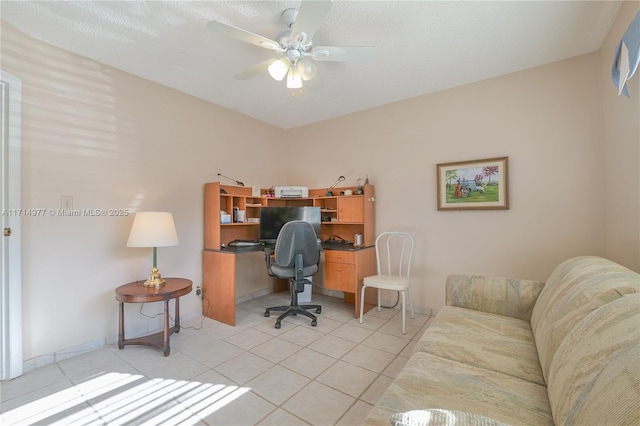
(474, 185)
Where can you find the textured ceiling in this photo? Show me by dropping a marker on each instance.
(423, 46)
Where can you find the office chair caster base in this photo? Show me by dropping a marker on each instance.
(318, 311)
(278, 325)
(267, 314)
(314, 323)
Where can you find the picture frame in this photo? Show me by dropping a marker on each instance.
(474, 185)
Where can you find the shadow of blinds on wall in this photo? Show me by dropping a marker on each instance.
(11, 363)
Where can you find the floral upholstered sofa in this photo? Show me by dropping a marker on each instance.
(564, 352)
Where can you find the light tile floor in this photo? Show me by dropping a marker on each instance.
(249, 374)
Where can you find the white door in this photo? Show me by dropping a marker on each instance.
(10, 274)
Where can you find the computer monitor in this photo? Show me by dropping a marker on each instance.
(272, 219)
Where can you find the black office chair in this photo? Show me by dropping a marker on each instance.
(297, 256)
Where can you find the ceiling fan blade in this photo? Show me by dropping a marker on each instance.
(254, 70)
(227, 30)
(343, 53)
(310, 17)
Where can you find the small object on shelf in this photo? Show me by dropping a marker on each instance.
(231, 179)
(329, 192)
(360, 186)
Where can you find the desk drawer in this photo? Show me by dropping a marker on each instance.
(340, 276)
(339, 256)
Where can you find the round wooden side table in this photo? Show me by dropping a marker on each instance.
(137, 292)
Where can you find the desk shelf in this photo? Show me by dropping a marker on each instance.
(343, 215)
(347, 215)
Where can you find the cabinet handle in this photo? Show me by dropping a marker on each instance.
(338, 270)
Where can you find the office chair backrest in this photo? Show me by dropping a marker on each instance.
(296, 238)
(394, 251)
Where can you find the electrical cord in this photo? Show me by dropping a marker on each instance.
(395, 304)
(182, 325)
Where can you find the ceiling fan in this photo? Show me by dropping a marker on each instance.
(294, 46)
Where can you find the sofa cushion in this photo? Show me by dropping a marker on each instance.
(495, 342)
(594, 378)
(574, 289)
(512, 297)
(428, 381)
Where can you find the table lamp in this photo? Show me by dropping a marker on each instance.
(153, 229)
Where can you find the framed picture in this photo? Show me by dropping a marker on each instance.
(474, 185)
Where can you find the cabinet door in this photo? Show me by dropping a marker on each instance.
(340, 276)
(351, 209)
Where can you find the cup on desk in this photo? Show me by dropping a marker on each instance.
(359, 240)
(348, 192)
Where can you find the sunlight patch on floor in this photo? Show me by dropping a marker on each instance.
(118, 398)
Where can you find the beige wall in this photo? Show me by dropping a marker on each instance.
(112, 140)
(546, 120)
(621, 140)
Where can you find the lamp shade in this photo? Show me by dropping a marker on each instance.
(278, 69)
(306, 69)
(153, 229)
(294, 80)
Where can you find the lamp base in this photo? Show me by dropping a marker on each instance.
(155, 279)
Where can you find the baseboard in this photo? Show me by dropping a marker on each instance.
(44, 360)
(254, 295)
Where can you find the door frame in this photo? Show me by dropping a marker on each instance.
(11, 361)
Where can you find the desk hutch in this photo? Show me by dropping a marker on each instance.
(345, 266)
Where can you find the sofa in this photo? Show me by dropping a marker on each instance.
(512, 351)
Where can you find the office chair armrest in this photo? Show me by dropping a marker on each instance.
(267, 260)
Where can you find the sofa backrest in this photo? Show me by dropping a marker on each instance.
(585, 324)
(594, 378)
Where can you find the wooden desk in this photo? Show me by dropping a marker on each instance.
(341, 215)
(137, 292)
(343, 271)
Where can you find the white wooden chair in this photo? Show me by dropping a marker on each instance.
(394, 251)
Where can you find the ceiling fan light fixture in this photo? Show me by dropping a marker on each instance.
(294, 79)
(278, 69)
(306, 68)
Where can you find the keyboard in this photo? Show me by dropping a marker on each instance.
(244, 243)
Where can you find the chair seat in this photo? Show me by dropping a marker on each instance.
(283, 272)
(386, 282)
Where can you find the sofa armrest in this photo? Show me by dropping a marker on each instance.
(504, 296)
